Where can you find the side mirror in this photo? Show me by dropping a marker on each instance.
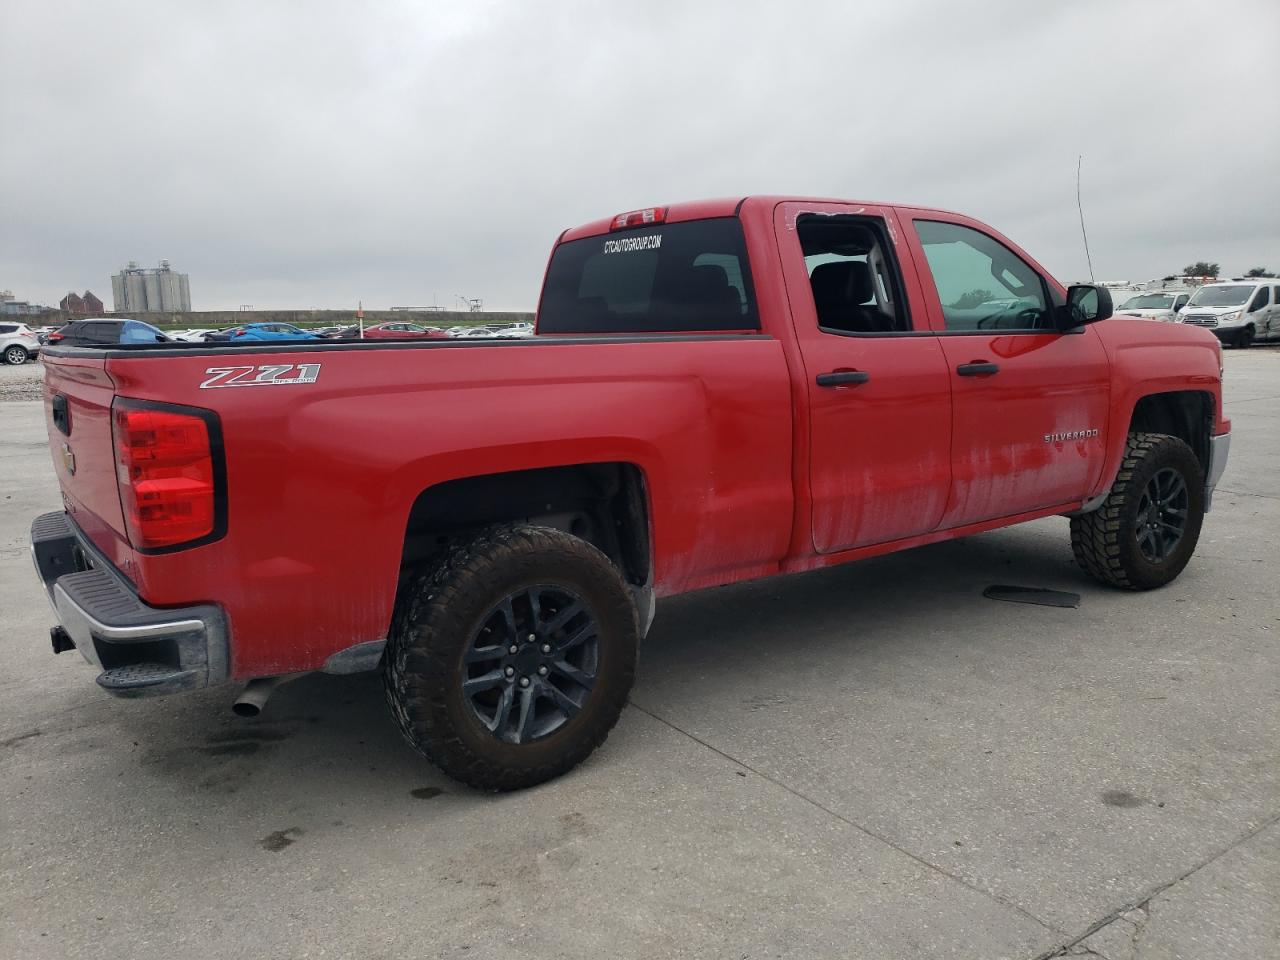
(1085, 304)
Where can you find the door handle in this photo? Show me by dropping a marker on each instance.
(843, 378)
(977, 369)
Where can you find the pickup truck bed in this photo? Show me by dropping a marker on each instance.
(793, 393)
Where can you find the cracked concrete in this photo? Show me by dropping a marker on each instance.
(868, 762)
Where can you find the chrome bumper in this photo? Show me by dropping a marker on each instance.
(141, 650)
(1219, 447)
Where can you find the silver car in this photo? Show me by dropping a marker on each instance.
(18, 343)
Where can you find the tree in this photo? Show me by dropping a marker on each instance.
(1259, 272)
(1200, 269)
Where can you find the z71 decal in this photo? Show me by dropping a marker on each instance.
(267, 375)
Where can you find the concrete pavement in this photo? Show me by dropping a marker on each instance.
(872, 761)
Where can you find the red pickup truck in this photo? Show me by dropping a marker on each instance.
(718, 391)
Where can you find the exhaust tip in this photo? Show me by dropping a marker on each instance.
(246, 710)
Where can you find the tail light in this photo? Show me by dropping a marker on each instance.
(171, 474)
(55, 337)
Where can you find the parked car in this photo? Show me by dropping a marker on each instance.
(328, 332)
(1165, 305)
(1237, 311)
(688, 417)
(399, 330)
(196, 335)
(18, 343)
(262, 331)
(102, 332)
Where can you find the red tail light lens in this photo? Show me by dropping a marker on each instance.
(169, 474)
(639, 218)
(55, 337)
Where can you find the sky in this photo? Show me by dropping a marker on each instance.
(299, 155)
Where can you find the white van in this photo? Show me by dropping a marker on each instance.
(1237, 311)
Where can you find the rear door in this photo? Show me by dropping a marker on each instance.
(879, 401)
(1029, 403)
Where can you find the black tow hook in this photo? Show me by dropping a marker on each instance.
(61, 640)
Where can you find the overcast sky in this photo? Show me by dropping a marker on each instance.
(312, 154)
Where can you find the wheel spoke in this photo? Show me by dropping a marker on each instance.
(565, 668)
(535, 606)
(584, 632)
(484, 654)
(503, 712)
(486, 681)
(560, 699)
(1172, 528)
(563, 617)
(526, 714)
(509, 616)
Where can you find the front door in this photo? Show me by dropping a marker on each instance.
(1029, 402)
(875, 377)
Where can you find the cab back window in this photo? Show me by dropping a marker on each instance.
(690, 276)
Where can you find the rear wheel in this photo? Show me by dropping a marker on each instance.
(511, 661)
(16, 355)
(1144, 533)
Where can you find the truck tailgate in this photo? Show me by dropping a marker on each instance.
(77, 404)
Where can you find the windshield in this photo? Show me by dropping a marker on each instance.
(1150, 301)
(1230, 296)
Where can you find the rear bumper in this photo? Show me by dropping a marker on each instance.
(141, 650)
(1219, 448)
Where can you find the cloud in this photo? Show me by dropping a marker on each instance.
(293, 155)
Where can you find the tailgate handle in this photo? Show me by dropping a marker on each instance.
(976, 369)
(61, 414)
(841, 378)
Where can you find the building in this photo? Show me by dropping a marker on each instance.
(74, 305)
(159, 289)
(11, 307)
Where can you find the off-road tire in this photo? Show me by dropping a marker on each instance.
(16, 355)
(436, 619)
(1105, 540)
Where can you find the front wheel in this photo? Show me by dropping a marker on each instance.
(16, 355)
(1245, 337)
(510, 662)
(1144, 533)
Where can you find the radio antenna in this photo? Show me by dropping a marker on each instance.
(1080, 207)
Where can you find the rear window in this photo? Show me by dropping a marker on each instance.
(8, 328)
(690, 276)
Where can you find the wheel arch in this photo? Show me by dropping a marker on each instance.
(1185, 414)
(606, 504)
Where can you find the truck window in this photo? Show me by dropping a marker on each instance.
(982, 284)
(690, 276)
(852, 275)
